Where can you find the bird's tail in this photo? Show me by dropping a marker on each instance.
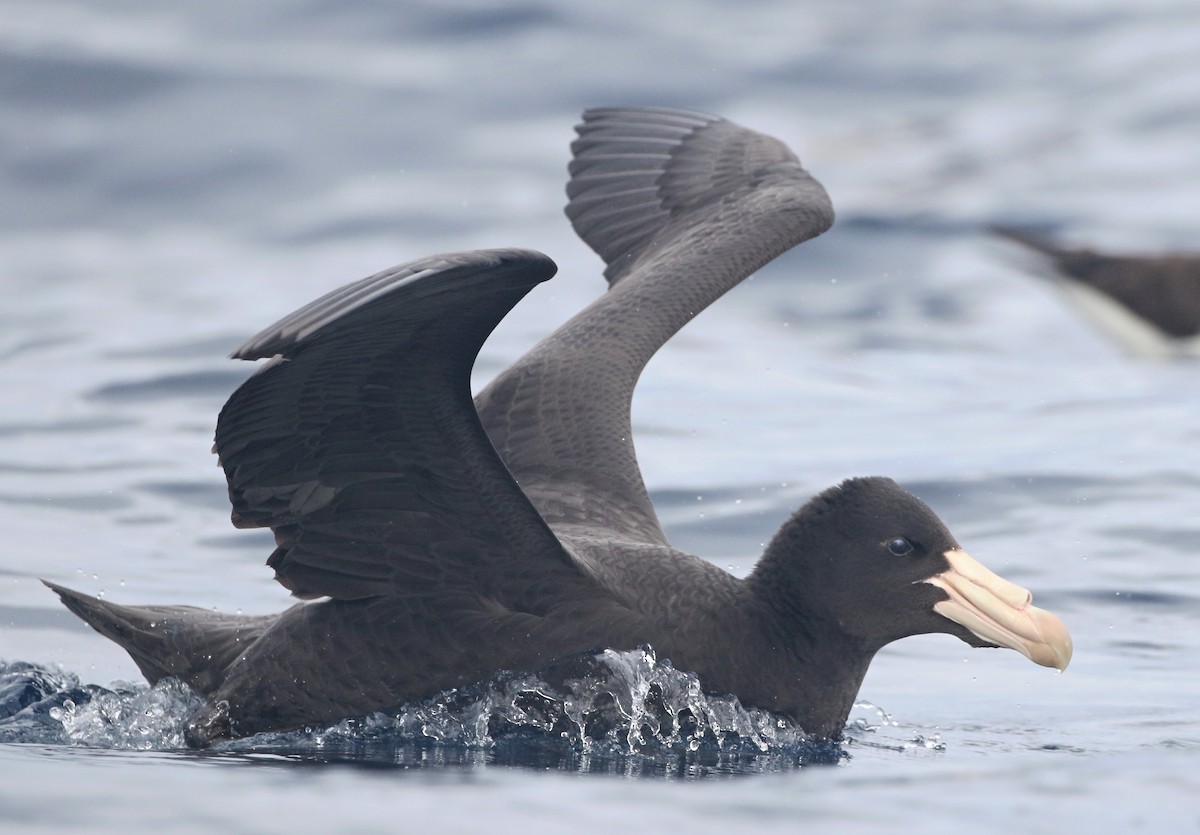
(191, 644)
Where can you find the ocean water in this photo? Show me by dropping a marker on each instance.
(176, 177)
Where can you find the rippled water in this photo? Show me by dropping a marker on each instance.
(176, 178)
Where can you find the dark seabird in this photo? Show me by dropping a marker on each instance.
(1149, 303)
(441, 540)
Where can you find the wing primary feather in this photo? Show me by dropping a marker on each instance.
(361, 448)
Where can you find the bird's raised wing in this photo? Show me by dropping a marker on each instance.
(682, 206)
(360, 446)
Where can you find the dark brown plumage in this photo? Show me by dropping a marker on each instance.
(1162, 291)
(448, 539)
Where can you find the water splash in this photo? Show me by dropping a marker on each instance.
(629, 701)
(879, 729)
(42, 704)
(613, 711)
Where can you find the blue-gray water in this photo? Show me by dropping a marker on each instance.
(176, 177)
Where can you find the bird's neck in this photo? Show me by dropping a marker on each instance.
(828, 691)
(820, 666)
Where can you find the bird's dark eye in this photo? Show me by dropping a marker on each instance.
(900, 546)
